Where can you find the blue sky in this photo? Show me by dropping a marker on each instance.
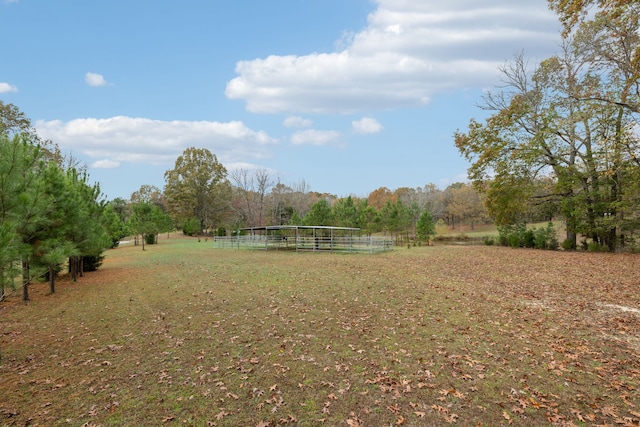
(345, 95)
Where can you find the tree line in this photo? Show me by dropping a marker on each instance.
(201, 197)
(49, 215)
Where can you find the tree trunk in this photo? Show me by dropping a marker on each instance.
(52, 280)
(73, 267)
(2, 294)
(25, 280)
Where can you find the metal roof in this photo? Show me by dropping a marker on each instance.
(296, 227)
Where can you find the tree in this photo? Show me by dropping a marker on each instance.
(610, 36)
(46, 214)
(18, 163)
(368, 217)
(574, 12)
(320, 214)
(148, 193)
(345, 213)
(197, 187)
(286, 203)
(23, 200)
(122, 208)
(116, 228)
(395, 217)
(379, 197)
(464, 203)
(15, 122)
(541, 128)
(141, 220)
(251, 189)
(426, 227)
(149, 220)
(53, 243)
(89, 233)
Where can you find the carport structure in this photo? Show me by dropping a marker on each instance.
(305, 238)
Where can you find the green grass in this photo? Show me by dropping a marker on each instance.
(184, 334)
(481, 230)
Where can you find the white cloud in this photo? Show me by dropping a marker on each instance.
(408, 52)
(366, 125)
(315, 137)
(297, 122)
(93, 79)
(445, 182)
(133, 140)
(6, 87)
(105, 164)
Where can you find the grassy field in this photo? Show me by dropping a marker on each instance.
(481, 230)
(184, 334)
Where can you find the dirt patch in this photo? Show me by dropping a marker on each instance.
(625, 309)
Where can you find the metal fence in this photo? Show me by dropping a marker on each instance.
(366, 244)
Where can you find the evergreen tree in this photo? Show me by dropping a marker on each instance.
(320, 214)
(425, 227)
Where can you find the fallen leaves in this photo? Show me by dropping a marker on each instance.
(446, 336)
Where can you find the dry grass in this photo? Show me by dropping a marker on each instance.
(183, 334)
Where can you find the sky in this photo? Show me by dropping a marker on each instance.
(345, 96)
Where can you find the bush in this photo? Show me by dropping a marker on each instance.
(191, 226)
(514, 236)
(528, 238)
(150, 239)
(92, 263)
(597, 247)
(488, 240)
(518, 236)
(545, 238)
(569, 245)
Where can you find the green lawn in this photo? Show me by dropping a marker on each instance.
(184, 334)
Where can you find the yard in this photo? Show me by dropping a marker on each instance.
(185, 334)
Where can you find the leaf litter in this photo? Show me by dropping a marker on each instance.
(453, 335)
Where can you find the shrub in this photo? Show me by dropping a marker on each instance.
(191, 227)
(597, 247)
(514, 236)
(545, 238)
(92, 262)
(584, 245)
(488, 240)
(518, 236)
(528, 238)
(514, 241)
(569, 245)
